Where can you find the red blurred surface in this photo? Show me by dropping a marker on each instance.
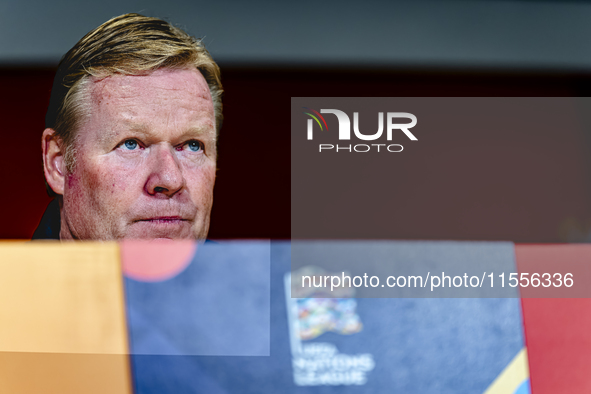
(558, 330)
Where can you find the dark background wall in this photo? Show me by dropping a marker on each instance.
(270, 52)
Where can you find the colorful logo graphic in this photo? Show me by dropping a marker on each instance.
(319, 315)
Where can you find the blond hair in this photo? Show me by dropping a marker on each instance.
(129, 44)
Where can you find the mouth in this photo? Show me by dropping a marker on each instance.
(163, 220)
(170, 227)
(162, 224)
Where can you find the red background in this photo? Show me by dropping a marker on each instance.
(252, 193)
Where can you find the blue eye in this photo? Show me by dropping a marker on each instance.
(195, 146)
(130, 144)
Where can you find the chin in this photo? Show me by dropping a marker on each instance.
(179, 229)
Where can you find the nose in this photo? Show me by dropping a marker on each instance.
(166, 178)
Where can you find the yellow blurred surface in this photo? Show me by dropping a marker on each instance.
(61, 298)
(62, 319)
(512, 376)
(52, 373)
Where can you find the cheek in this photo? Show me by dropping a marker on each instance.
(100, 183)
(201, 186)
(73, 186)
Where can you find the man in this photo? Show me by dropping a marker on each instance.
(129, 148)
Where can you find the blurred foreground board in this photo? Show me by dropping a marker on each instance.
(71, 314)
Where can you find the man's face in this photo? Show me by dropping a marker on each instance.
(145, 159)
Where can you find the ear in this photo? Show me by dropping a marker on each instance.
(53, 161)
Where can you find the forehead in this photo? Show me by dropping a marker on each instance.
(189, 81)
(130, 97)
